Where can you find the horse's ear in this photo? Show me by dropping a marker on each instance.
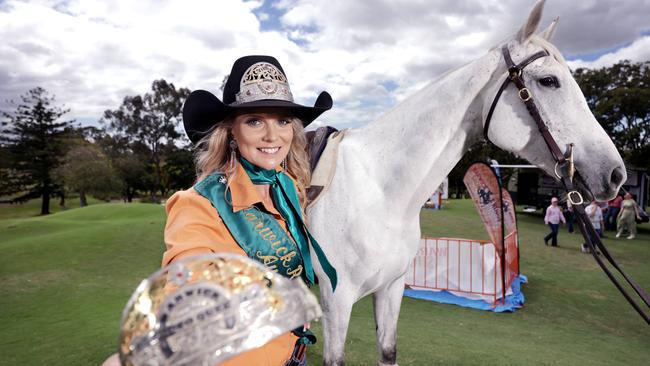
(532, 23)
(550, 30)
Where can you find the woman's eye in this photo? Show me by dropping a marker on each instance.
(549, 81)
(253, 122)
(283, 122)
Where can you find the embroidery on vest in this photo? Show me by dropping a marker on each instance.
(256, 232)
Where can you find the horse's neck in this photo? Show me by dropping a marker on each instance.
(416, 144)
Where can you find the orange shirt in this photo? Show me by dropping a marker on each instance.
(194, 227)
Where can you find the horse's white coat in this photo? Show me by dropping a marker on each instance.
(368, 221)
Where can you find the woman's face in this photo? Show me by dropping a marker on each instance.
(263, 136)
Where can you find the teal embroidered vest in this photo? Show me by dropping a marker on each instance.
(257, 232)
(262, 238)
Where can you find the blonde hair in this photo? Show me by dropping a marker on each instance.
(213, 155)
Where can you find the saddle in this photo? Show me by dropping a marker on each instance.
(322, 149)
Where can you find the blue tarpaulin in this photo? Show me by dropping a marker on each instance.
(513, 301)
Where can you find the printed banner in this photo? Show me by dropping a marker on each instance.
(484, 188)
(509, 216)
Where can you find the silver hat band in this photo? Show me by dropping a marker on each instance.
(263, 81)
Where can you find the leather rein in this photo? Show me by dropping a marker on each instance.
(565, 171)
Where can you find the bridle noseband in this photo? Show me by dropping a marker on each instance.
(564, 171)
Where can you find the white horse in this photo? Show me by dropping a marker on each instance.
(368, 220)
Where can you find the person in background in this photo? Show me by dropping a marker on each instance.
(614, 207)
(604, 209)
(626, 217)
(595, 214)
(553, 218)
(571, 216)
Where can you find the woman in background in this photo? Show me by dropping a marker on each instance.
(626, 220)
(553, 218)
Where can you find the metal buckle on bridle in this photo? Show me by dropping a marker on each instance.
(514, 72)
(568, 164)
(558, 175)
(527, 94)
(575, 202)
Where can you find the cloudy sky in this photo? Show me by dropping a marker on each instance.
(369, 54)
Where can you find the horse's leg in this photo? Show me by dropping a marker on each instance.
(336, 318)
(387, 302)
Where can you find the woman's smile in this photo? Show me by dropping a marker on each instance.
(269, 150)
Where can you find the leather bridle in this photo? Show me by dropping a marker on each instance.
(565, 172)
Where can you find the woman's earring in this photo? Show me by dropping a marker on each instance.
(284, 164)
(233, 156)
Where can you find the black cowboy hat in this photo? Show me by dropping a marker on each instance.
(254, 82)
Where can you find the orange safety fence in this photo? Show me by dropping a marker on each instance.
(465, 267)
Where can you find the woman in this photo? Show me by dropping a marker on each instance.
(625, 221)
(252, 176)
(252, 172)
(553, 218)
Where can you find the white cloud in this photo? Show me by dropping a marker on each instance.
(638, 51)
(92, 54)
(367, 54)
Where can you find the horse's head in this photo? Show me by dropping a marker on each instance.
(563, 108)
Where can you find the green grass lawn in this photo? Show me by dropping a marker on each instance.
(33, 207)
(66, 277)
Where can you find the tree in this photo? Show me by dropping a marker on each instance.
(86, 170)
(129, 164)
(178, 172)
(619, 97)
(5, 165)
(33, 138)
(150, 122)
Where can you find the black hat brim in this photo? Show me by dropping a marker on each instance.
(202, 110)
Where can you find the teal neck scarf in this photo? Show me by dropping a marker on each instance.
(285, 198)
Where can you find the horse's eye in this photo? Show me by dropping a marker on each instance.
(549, 81)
